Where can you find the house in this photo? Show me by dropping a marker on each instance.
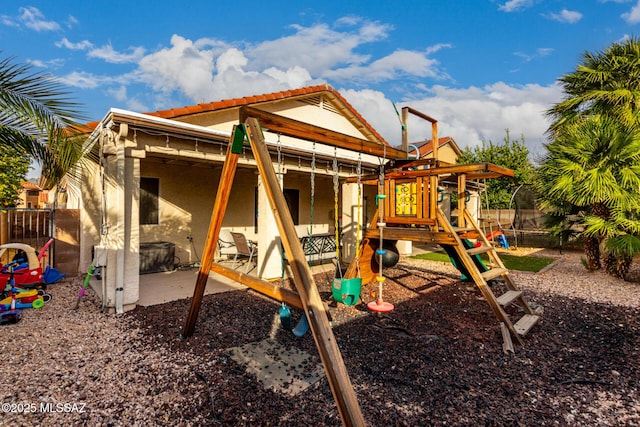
(148, 199)
(31, 196)
(448, 149)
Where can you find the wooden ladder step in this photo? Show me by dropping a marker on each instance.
(493, 273)
(463, 230)
(479, 250)
(525, 323)
(508, 297)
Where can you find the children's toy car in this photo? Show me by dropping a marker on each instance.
(24, 259)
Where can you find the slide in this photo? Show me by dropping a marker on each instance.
(457, 262)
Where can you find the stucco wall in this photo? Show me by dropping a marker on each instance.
(186, 197)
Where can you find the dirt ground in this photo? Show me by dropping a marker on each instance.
(437, 359)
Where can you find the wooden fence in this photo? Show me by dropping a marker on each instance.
(35, 227)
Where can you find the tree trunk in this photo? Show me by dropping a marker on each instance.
(610, 264)
(600, 210)
(592, 251)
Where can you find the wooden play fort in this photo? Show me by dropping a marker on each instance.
(407, 209)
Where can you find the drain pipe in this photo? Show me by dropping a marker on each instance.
(120, 241)
(104, 229)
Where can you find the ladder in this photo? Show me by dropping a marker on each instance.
(495, 280)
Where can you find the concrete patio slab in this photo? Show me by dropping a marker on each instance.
(159, 288)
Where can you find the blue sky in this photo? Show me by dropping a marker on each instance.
(478, 66)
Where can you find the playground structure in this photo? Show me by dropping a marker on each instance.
(407, 210)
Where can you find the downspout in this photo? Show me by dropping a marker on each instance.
(103, 224)
(120, 183)
(104, 228)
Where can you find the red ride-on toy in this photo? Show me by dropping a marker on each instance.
(26, 263)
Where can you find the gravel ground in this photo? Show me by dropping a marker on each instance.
(436, 360)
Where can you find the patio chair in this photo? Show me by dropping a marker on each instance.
(226, 246)
(244, 248)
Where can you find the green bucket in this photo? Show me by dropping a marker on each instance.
(347, 291)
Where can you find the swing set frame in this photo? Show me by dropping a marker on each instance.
(306, 296)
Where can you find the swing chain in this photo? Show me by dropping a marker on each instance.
(313, 194)
(359, 211)
(279, 156)
(336, 189)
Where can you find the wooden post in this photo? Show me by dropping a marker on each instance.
(332, 361)
(462, 195)
(405, 129)
(4, 227)
(433, 180)
(217, 215)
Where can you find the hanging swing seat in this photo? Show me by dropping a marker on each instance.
(347, 291)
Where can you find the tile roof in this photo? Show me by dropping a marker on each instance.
(28, 185)
(426, 147)
(174, 113)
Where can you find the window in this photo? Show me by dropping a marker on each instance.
(149, 195)
(292, 196)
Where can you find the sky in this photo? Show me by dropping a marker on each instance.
(479, 67)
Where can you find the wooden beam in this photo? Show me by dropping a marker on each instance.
(412, 234)
(334, 367)
(217, 214)
(309, 132)
(276, 292)
(409, 220)
(421, 115)
(473, 171)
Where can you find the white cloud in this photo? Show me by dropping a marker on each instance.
(515, 5)
(233, 79)
(71, 21)
(317, 48)
(106, 52)
(82, 80)
(541, 52)
(119, 93)
(400, 62)
(51, 64)
(565, 16)
(8, 21)
(83, 45)
(134, 54)
(185, 66)
(633, 16)
(33, 19)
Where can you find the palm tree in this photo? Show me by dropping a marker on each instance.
(606, 82)
(38, 119)
(594, 164)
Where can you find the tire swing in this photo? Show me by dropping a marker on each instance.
(391, 256)
(346, 291)
(379, 305)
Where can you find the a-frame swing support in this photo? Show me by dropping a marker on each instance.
(307, 297)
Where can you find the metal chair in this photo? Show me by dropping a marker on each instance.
(244, 248)
(226, 247)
